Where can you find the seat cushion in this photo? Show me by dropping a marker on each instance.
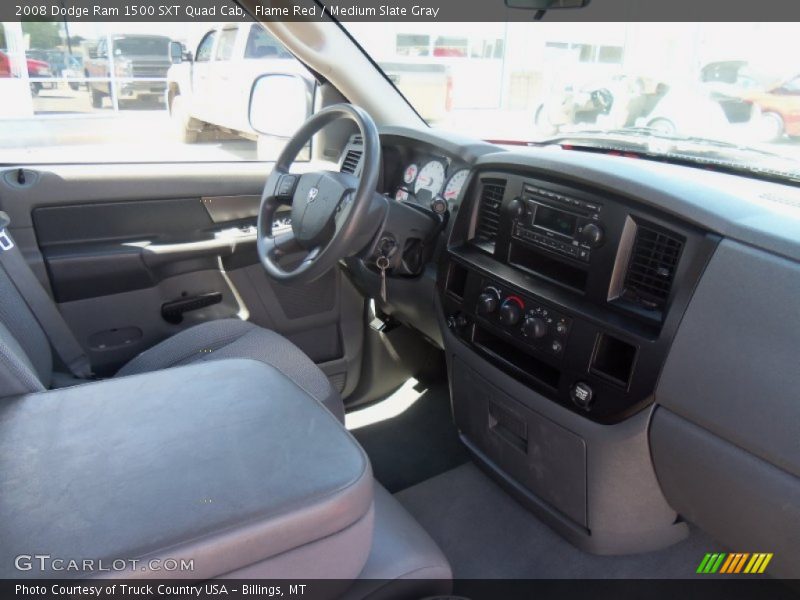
(233, 338)
(226, 464)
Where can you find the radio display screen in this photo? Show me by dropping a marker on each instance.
(555, 220)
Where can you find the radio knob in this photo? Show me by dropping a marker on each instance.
(592, 235)
(511, 311)
(534, 327)
(488, 301)
(516, 208)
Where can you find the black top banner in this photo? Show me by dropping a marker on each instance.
(395, 10)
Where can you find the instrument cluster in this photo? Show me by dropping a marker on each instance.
(432, 182)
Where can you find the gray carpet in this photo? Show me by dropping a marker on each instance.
(418, 444)
(487, 534)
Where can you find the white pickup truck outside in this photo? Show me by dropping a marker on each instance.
(212, 90)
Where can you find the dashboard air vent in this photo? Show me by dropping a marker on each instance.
(651, 268)
(488, 224)
(351, 160)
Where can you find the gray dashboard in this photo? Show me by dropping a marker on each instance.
(758, 213)
(723, 424)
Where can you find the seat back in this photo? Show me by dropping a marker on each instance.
(26, 359)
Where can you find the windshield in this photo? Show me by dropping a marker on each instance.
(530, 82)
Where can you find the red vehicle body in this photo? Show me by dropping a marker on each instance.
(781, 103)
(776, 96)
(36, 68)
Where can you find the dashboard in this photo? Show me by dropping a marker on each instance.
(620, 335)
(574, 290)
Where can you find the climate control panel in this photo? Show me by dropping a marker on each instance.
(590, 367)
(526, 319)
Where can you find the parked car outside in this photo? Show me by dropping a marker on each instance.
(134, 57)
(232, 56)
(693, 110)
(690, 108)
(36, 68)
(609, 103)
(776, 94)
(780, 109)
(227, 60)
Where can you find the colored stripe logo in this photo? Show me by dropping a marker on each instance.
(734, 563)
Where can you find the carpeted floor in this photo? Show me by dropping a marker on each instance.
(417, 444)
(487, 534)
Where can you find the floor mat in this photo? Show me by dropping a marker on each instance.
(418, 443)
(487, 534)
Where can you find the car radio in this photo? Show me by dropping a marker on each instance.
(562, 224)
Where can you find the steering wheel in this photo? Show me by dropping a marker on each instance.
(330, 210)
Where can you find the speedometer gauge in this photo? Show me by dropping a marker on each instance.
(454, 186)
(410, 173)
(430, 177)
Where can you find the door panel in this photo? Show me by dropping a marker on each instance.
(96, 249)
(98, 321)
(116, 243)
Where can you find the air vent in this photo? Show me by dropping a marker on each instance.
(351, 160)
(488, 225)
(356, 139)
(651, 268)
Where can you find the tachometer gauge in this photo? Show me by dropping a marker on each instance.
(401, 195)
(430, 177)
(454, 186)
(410, 173)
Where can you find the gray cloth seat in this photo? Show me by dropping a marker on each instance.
(223, 464)
(26, 356)
(233, 338)
(278, 503)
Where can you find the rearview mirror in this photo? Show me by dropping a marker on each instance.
(279, 104)
(546, 4)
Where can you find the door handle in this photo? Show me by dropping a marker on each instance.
(172, 312)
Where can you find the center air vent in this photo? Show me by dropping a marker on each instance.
(488, 224)
(651, 268)
(351, 160)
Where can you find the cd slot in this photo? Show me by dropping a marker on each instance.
(560, 201)
(538, 263)
(578, 210)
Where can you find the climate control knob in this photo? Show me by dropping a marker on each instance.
(511, 311)
(488, 301)
(592, 235)
(534, 327)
